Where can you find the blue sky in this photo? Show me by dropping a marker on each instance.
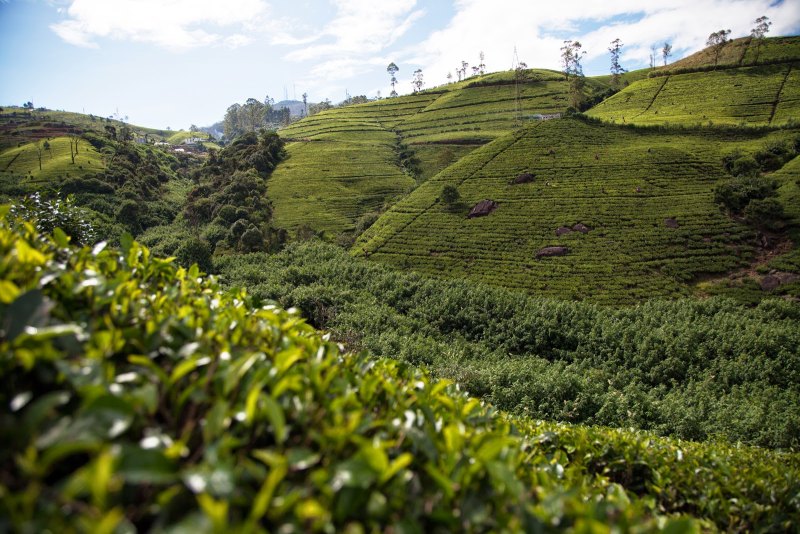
(176, 62)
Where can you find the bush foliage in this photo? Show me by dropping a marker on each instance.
(139, 395)
(691, 369)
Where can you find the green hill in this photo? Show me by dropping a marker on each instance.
(346, 162)
(750, 96)
(124, 184)
(739, 90)
(646, 197)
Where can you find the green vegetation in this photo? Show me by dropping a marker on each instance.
(692, 369)
(141, 396)
(645, 196)
(226, 210)
(124, 185)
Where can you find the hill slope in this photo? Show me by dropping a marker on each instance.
(322, 185)
(752, 84)
(646, 198)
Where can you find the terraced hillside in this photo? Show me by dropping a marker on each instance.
(741, 52)
(346, 162)
(753, 85)
(22, 163)
(645, 198)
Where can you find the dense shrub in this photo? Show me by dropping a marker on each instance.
(195, 251)
(765, 213)
(735, 194)
(637, 366)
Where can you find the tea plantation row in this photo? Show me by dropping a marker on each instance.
(646, 197)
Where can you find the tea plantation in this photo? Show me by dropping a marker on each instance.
(347, 162)
(142, 396)
(644, 196)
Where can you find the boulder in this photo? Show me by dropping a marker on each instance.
(582, 228)
(561, 230)
(482, 208)
(769, 282)
(548, 252)
(671, 223)
(524, 178)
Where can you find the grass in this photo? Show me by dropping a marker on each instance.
(19, 126)
(624, 184)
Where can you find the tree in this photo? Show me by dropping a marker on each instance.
(616, 68)
(73, 144)
(392, 70)
(46, 146)
(252, 114)
(39, 150)
(28, 105)
(305, 103)
(482, 65)
(449, 77)
(571, 55)
(231, 123)
(464, 66)
(450, 195)
(717, 42)
(666, 52)
(194, 128)
(476, 70)
(417, 81)
(761, 29)
(653, 55)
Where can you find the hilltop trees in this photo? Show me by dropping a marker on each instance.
(616, 68)
(417, 81)
(666, 52)
(571, 55)
(392, 70)
(757, 34)
(482, 65)
(251, 117)
(717, 42)
(462, 71)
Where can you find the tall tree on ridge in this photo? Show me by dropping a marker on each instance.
(761, 29)
(571, 55)
(616, 68)
(417, 80)
(392, 70)
(666, 52)
(717, 42)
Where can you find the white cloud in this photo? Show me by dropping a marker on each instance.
(172, 24)
(361, 27)
(538, 29)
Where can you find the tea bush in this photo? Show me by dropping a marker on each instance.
(141, 396)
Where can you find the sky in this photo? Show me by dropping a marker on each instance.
(173, 63)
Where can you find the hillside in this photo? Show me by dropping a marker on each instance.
(738, 91)
(317, 186)
(111, 169)
(644, 196)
